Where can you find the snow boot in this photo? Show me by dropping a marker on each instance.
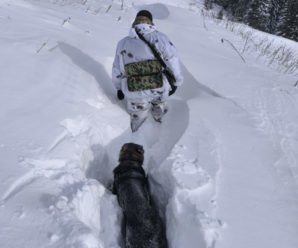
(136, 121)
(138, 111)
(158, 110)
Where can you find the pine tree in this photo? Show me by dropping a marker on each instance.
(208, 4)
(288, 26)
(274, 15)
(258, 15)
(224, 3)
(220, 15)
(239, 9)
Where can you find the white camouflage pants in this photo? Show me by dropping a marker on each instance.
(139, 110)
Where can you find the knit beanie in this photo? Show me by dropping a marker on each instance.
(145, 13)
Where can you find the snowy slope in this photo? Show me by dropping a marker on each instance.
(223, 165)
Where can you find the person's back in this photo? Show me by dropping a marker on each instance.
(137, 73)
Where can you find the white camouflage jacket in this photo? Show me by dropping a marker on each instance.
(132, 49)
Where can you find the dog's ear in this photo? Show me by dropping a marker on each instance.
(139, 149)
(124, 147)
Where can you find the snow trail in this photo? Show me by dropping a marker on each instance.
(222, 165)
(158, 141)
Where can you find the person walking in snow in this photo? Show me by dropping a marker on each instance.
(146, 70)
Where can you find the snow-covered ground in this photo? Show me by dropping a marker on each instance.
(223, 165)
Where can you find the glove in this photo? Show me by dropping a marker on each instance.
(120, 95)
(173, 90)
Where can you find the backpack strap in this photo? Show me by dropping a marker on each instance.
(167, 72)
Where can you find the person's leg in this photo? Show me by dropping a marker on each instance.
(138, 110)
(159, 104)
(159, 109)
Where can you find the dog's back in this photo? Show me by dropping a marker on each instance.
(143, 227)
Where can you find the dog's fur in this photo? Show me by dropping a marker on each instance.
(142, 227)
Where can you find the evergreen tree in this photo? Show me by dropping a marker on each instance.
(273, 16)
(258, 15)
(274, 13)
(208, 4)
(239, 9)
(224, 3)
(220, 14)
(288, 26)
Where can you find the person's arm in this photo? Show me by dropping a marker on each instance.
(116, 70)
(117, 74)
(170, 56)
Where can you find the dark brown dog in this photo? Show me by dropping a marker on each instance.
(142, 227)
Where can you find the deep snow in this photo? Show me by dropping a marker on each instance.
(223, 165)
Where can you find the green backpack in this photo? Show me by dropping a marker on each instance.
(144, 75)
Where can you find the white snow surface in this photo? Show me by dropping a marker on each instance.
(223, 165)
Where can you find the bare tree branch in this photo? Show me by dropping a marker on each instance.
(232, 45)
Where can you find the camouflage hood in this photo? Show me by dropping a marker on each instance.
(144, 29)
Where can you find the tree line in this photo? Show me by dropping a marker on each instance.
(278, 17)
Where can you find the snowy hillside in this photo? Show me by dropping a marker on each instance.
(223, 165)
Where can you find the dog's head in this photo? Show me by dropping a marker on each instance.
(132, 152)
